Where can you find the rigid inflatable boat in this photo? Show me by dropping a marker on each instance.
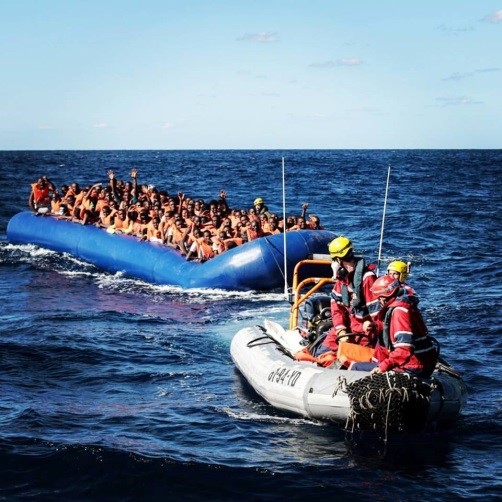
(256, 265)
(380, 401)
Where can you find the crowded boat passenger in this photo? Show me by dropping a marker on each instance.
(198, 229)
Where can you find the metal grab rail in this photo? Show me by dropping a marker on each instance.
(297, 297)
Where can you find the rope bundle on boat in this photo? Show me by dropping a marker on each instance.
(388, 402)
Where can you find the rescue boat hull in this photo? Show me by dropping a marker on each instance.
(257, 265)
(320, 393)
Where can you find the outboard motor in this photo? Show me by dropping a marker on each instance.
(315, 316)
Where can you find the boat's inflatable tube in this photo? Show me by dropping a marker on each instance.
(321, 393)
(257, 265)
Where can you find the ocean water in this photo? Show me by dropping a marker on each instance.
(112, 388)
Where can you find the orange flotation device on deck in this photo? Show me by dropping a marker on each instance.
(352, 353)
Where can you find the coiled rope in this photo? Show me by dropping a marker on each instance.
(387, 402)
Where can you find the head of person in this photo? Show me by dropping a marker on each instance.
(314, 221)
(341, 249)
(398, 270)
(385, 289)
(290, 221)
(258, 203)
(301, 223)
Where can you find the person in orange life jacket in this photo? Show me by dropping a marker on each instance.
(252, 214)
(66, 208)
(176, 233)
(272, 227)
(203, 247)
(191, 242)
(77, 193)
(219, 245)
(122, 223)
(264, 223)
(56, 201)
(404, 343)
(140, 225)
(106, 217)
(88, 211)
(214, 224)
(254, 230)
(39, 199)
(351, 299)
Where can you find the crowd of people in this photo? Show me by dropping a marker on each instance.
(198, 229)
(380, 313)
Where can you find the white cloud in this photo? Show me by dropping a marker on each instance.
(349, 62)
(366, 110)
(457, 101)
(461, 76)
(101, 125)
(455, 30)
(338, 62)
(167, 125)
(494, 17)
(261, 37)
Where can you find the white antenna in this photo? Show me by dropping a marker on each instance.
(284, 228)
(383, 223)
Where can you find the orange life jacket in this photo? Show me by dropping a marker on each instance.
(55, 205)
(205, 250)
(121, 224)
(39, 194)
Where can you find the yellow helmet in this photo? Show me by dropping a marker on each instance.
(339, 247)
(400, 267)
(257, 201)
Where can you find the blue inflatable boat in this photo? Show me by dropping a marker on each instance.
(256, 265)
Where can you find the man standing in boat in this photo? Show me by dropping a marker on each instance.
(404, 343)
(40, 201)
(352, 301)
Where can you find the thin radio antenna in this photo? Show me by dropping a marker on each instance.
(383, 223)
(284, 228)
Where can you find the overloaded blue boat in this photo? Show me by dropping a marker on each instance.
(256, 265)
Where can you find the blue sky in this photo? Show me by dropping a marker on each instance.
(210, 74)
